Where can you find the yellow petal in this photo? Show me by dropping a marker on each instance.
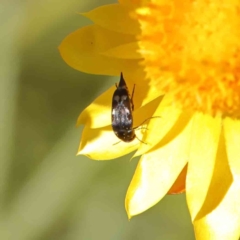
(98, 113)
(159, 127)
(179, 185)
(124, 51)
(102, 144)
(144, 112)
(114, 17)
(204, 142)
(83, 50)
(232, 136)
(223, 200)
(156, 172)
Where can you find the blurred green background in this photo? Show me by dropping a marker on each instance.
(46, 192)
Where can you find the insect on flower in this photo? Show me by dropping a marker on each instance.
(122, 108)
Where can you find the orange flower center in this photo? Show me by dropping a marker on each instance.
(191, 49)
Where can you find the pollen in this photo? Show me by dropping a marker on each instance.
(191, 49)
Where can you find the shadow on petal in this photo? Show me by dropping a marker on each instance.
(218, 186)
(178, 127)
(179, 185)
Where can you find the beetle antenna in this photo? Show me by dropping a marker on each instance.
(146, 120)
(116, 143)
(140, 140)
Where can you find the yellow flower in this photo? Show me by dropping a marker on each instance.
(188, 51)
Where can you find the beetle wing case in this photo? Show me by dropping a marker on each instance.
(122, 107)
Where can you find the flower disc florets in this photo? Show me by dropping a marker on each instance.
(191, 50)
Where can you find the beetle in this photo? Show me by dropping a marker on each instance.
(122, 108)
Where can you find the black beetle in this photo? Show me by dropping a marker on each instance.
(122, 108)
